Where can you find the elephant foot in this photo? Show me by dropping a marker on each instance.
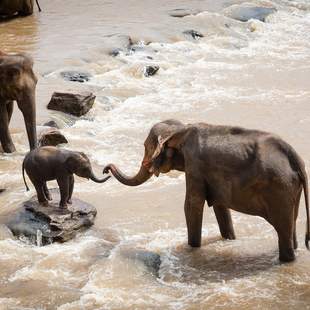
(9, 148)
(230, 235)
(63, 206)
(43, 203)
(287, 256)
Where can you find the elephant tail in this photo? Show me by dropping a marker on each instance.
(38, 5)
(306, 193)
(300, 167)
(27, 188)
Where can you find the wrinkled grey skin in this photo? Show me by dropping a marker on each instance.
(249, 171)
(18, 83)
(20, 7)
(51, 163)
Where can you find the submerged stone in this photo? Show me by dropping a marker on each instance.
(196, 35)
(45, 225)
(150, 70)
(75, 104)
(75, 76)
(150, 260)
(183, 12)
(246, 12)
(51, 124)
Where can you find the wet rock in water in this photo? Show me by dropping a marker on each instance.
(151, 260)
(75, 104)
(183, 12)
(196, 35)
(150, 70)
(245, 12)
(75, 76)
(51, 124)
(118, 43)
(52, 137)
(44, 225)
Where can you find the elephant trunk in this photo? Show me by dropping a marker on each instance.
(38, 5)
(95, 179)
(142, 176)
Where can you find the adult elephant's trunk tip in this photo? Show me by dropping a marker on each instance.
(142, 176)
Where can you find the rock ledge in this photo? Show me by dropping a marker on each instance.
(45, 225)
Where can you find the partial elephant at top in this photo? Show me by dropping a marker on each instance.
(17, 7)
(245, 170)
(17, 83)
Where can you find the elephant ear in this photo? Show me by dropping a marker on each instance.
(174, 138)
(12, 73)
(72, 163)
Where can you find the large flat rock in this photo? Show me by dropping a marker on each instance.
(44, 225)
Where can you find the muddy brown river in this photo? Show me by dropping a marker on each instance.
(254, 74)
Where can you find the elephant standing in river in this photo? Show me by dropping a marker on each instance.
(17, 83)
(21, 7)
(249, 171)
(51, 163)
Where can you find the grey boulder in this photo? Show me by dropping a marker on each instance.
(44, 225)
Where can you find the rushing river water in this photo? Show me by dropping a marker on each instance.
(252, 74)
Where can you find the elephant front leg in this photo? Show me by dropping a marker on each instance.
(194, 204)
(64, 186)
(224, 220)
(5, 137)
(71, 187)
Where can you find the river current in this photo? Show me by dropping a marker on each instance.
(254, 74)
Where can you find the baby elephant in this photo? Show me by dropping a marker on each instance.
(51, 163)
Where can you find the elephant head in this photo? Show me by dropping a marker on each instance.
(18, 83)
(162, 153)
(79, 164)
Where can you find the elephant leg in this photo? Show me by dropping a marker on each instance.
(224, 220)
(46, 192)
(9, 108)
(28, 108)
(284, 225)
(71, 187)
(5, 137)
(194, 204)
(40, 193)
(63, 184)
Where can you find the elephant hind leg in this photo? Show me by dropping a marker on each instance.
(46, 192)
(224, 220)
(39, 186)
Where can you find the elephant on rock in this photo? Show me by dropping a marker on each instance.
(17, 83)
(249, 171)
(49, 163)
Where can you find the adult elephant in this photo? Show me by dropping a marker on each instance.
(249, 171)
(18, 83)
(20, 7)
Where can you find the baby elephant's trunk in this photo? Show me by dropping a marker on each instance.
(95, 179)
